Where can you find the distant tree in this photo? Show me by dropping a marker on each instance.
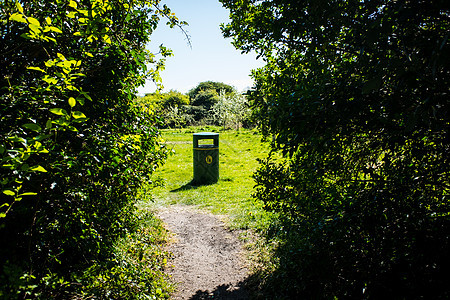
(206, 93)
(356, 96)
(171, 106)
(206, 99)
(162, 101)
(174, 99)
(210, 85)
(231, 109)
(151, 102)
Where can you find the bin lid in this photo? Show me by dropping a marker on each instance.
(206, 134)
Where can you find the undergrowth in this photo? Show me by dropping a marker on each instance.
(137, 268)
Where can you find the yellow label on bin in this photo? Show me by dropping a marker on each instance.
(209, 159)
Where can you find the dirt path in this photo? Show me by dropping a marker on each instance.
(208, 259)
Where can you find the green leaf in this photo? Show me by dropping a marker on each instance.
(19, 6)
(86, 95)
(58, 111)
(9, 193)
(26, 36)
(17, 139)
(38, 169)
(78, 74)
(72, 14)
(107, 39)
(78, 115)
(28, 194)
(85, 12)
(35, 28)
(72, 102)
(73, 4)
(33, 21)
(18, 18)
(42, 137)
(26, 156)
(50, 80)
(36, 69)
(2, 149)
(32, 126)
(60, 56)
(48, 20)
(64, 64)
(47, 38)
(48, 124)
(54, 29)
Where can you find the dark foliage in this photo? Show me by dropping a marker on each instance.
(74, 149)
(356, 96)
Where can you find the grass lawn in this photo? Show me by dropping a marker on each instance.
(231, 196)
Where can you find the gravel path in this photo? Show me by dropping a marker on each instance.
(208, 259)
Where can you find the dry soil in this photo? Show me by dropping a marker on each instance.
(208, 260)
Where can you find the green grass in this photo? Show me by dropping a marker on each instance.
(231, 195)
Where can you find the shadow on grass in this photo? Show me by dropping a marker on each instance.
(191, 185)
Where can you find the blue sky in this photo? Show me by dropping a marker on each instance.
(212, 57)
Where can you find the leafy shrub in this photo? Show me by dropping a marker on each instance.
(137, 266)
(232, 110)
(170, 105)
(355, 95)
(74, 149)
(174, 99)
(174, 117)
(162, 101)
(206, 94)
(206, 99)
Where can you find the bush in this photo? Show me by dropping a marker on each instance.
(174, 99)
(355, 96)
(206, 94)
(232, 110)
(74, 149)
(162, 101)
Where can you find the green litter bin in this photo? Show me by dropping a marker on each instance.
(206, 158)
